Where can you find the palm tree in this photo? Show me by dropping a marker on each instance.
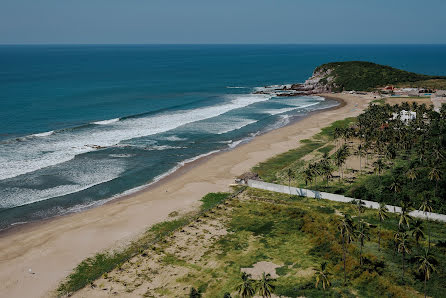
(426, 262)
(403, 247)
(360, 153)
(435, 174)
(379, 166)
(265, 286)
(346, 154)
(391, 151)
(194, 293)
(421, 152)
(366, 152)
(322, 276)
(340, 157)
(345, 227)
(396, 236)
(336, 135)
(363, 233)
(246, 287)
(308, 176)
(360, 205)
(395, 186)
(426, 207)
(411, 174)
(436, 153)
(314, 170)
(290, 175)
(382, 215)
(405, 218)
(417, 231)
(325, 168)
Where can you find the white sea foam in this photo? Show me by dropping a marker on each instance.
(299, 102)
(19, 223)
(236, 143)
(163, 175)
(179, 165)
(316, 97)
(282, 121)
(43, 134)
(173, 138)
(233, 125)
(236, 87)
(15, 196)
(106, 122)
(280, 111)
(163, 147)
(308, 105)
(27, 156)
(81, 207)
(121, 155)
(78, 179)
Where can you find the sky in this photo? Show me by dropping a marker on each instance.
(222, 21)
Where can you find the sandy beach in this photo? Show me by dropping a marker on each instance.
(52, 248)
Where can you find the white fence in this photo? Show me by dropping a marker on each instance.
(337, 198)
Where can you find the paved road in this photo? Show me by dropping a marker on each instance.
(338, 198)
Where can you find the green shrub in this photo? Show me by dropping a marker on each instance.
(213, 199)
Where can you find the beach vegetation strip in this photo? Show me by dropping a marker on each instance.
(99, 265)
(289, 243)
(273, 169)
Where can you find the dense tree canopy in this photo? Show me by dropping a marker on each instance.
(413, 152)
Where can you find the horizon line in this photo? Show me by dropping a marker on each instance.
(221, 44)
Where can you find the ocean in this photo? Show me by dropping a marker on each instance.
(81, 125)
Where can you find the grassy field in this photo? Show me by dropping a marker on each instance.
(293, 234)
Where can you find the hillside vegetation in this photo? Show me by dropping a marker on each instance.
(428, 84)
(366, 76)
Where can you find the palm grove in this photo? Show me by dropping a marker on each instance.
(408, 161)
(408, 158)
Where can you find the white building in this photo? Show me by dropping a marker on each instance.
(405, 116)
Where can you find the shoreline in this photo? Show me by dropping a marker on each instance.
(190, 165)
(58, 244)
(166, 177)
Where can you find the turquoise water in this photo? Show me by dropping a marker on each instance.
(82, 124)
